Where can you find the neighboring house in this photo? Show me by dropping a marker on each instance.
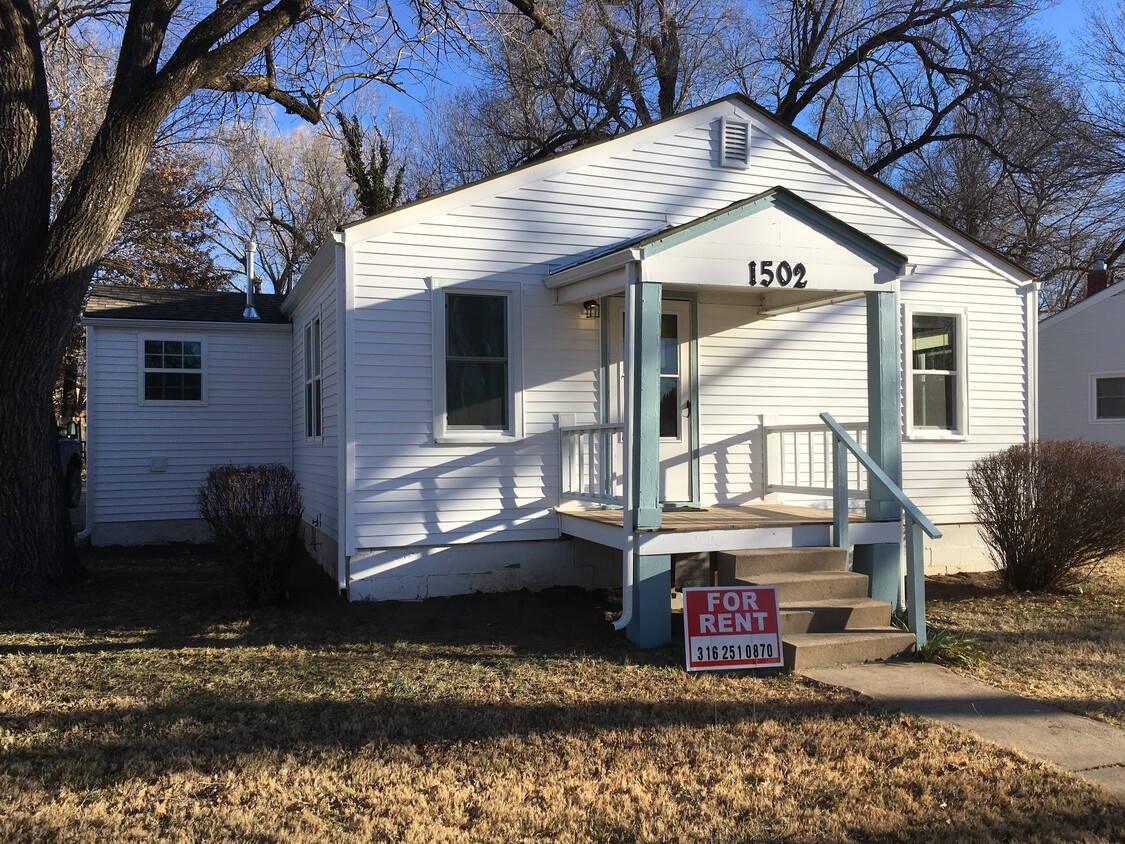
(618, 354)
(1082, 365)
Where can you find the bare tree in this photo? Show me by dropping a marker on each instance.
(295, 53)
(291, 189)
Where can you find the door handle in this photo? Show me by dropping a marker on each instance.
(687, 409)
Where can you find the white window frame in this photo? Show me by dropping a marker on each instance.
(961, 390)
(514, 432)
(1094, 418)
(314, 380)
(142, 370)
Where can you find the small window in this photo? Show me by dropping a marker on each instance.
(476, 362)
(173, 370)
(1109, 397)
(313, 410)
(936, 375)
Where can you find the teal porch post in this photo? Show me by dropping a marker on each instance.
(651, 625)
(646, 407)
(884, 442)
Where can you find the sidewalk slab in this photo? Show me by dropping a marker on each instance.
(1092, 749)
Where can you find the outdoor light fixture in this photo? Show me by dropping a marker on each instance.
(591, 309)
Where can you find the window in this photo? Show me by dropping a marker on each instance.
(936, 383)
(173, 370)
(1109, 397)
(477, 341)
(312, 380)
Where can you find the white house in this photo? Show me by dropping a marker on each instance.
(1082, 366)
(579, 370)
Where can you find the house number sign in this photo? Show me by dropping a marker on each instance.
(781, 273)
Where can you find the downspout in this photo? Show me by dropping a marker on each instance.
(343, 428)
(88, 530)
(632, 274)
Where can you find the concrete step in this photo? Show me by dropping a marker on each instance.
(813, 650)
(833, 615)
(735, 564)
(794, 587)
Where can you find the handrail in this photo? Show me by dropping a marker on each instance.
(873, 468)
(914, 523)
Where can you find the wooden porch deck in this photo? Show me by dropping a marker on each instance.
(723, 529)
(733, 517)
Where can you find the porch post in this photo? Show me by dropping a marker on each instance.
(651, 622)
(881, 563)
(646, 406)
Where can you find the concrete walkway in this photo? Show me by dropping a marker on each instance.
(1091, 749)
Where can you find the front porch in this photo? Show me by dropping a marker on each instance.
(617, 469)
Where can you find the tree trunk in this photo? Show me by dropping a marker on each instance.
(36, 541)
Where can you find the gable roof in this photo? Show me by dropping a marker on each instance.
(108, 301)
(1099, 298)
(489, 186)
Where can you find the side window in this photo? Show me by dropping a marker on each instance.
(1109, 398)
(476, 362)
(936, 386)
(173, 370)
(313, 410)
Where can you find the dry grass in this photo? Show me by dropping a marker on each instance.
(1066, 648)
(149, 706)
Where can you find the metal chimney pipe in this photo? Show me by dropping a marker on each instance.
(1097, 279)
(251, 247)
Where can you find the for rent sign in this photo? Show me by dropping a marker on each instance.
(732, 627)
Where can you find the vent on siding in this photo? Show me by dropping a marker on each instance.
(734, 143)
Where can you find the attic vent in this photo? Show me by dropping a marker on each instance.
(734, 143)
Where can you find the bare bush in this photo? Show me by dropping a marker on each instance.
(255, 513)
(1050, 510)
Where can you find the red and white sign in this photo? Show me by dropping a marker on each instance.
(731, 627)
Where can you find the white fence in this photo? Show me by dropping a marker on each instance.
(799, 459)
(592, 463)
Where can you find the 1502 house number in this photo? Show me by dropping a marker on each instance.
(782, 274)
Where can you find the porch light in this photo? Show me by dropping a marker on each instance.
(591, 309)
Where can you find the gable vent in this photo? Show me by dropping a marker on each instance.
(734, 143)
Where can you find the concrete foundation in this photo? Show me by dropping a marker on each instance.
(413, 574)
(960, 548)
(154, 532)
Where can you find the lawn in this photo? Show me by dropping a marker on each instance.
(148, 704)
(1066, 648)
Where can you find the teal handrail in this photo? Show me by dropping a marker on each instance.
(915, 520)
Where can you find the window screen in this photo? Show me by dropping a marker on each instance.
(173, 370)
(476, 361)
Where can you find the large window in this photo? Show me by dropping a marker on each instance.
(1109, 398)
(936, 389)
(313, 409)
(476, 363)
(173, 370)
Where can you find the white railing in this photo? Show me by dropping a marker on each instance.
(592, 461)
(799, 459)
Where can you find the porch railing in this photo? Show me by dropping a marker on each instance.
(591, 463)
(799, 459)
(914, 522)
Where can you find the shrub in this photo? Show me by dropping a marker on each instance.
(255, 514)
(1050, 510)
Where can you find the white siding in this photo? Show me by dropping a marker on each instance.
(316, 461)
(245, 419)
(1072, 348)
(411, 491)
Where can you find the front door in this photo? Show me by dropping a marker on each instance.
(676, 409)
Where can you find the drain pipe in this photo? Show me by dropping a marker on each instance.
(626, 590)
(632, 276)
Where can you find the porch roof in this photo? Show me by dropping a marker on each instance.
(741, 246)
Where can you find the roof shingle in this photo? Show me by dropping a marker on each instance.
(109, 301)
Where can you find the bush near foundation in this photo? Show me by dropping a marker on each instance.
(1050, 510)
(255, 514)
